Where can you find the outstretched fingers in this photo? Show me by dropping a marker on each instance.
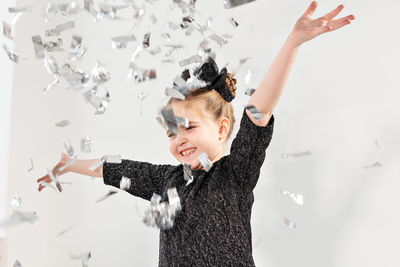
(311, 9)
(333, 13)
(336, 24)
(44, 178)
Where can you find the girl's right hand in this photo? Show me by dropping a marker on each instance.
(64, 159)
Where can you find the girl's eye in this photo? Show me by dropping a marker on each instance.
(188, 128)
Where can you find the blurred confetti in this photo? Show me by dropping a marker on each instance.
(205, 161)
(84, 257)
(295, 155)
(375, 165)
(298, 199)
(110, 193)
(162, 214)
(289, 223)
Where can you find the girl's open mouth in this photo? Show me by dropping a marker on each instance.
(188, 152)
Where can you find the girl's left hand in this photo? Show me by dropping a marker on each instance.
(307, 28)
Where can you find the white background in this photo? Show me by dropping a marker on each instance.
(342, 95)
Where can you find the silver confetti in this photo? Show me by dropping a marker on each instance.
(247, 78)
(136, 53)
(244, 60)
(16, 202)
(141, 75)
(65, 230)
(204, 47)
(100, 74)
(376, 143)
(255, 112)
(138, 12)
(51, 65)
(289, 223)
(174, 48)
(153, 18)
(18, 217)
(86, 143)
(121, 42)
(66, 9)
(38, 46)
(8, 30)
(68, 147)
(205, 161)
(190, 60)
(160, 121)
(250, 91)
(60, 28)
(295, 155)
(171, 121)
(155, 51)
(76, 78)
(173, 198)
(297, 198)
(186, 22)
(233, 22)
(56, 180)
(166, 36)
(84, 257)
(162, 214)
(13, 57)
(76, 45)
(110, 193)
(99, 102)
(113, 158)
(375, 165)
(97, 164)
(187, 173)
(172, 25)
(125, 183)
(51, 85)
(234, 3)
(69, 163)
(172, 92)
(146, 40)
(218, 39)
(168, 60)
(19, 9)
(52, 46)
(31, 168)
(63, 123)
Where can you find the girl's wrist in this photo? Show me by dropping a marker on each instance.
(293, 40)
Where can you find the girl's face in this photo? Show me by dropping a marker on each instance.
(202, 135)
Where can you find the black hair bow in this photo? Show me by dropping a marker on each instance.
(208, 72)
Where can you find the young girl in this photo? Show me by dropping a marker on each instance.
(213, 227)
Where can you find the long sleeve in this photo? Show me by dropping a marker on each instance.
(247, 152)
(146, 178)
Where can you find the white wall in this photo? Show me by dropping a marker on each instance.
(342, 95)
(6, 68)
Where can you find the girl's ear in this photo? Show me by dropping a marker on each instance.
(224, 126)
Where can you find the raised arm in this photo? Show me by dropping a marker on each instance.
(81, 166)
(270, 89)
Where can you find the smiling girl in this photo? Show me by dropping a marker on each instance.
(213, 227)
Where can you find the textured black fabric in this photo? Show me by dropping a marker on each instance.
(213, 228)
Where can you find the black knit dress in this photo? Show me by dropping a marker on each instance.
(213, 228)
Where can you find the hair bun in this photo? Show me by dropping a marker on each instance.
(230, 83)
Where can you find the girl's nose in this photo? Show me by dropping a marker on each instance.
(180, 138)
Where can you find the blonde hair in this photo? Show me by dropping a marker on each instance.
(214, 103)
